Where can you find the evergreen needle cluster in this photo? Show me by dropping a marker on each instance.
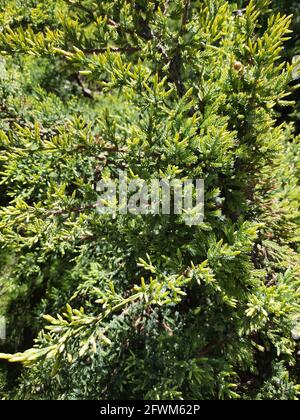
(144, 306)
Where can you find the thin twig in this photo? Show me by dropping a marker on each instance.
(166, 8)
(72, 210)
(128, 49)
(87, 92)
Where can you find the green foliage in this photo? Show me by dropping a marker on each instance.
(291, 49)
(147, 307)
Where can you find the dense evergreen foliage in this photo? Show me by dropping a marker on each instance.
(148, 307)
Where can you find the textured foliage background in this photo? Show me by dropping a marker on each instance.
(146, 307)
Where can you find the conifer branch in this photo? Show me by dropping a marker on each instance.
(176, 63)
